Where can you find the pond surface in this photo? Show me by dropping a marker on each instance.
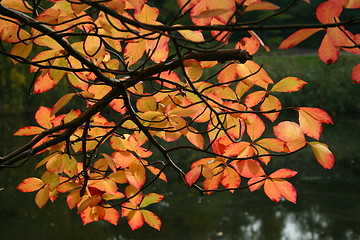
(328, 206)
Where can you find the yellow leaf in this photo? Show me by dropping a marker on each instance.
(42, 197)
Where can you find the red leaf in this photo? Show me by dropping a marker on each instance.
(355, 74)
(283, 173)
(328, 52)
(327, 11)
(193, 175)
(322, 154)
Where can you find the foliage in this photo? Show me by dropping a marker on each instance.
(117, 55)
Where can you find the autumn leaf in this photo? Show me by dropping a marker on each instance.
(355, 74)
(30, 184)
(288, 84)
(291, 133)
(323, 155)
(297, 37)
(151, 219)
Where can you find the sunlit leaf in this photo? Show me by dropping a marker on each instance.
(297, 37)
(30, 184)
(323, 155)
(261, 6)
(327, 11)
(328, 52)
(42, 197)
(135, 219)
(27, 131)
(288, 84)
(150, 199)
(151, 219)
(249, 168)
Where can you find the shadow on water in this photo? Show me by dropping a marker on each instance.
(328, 204)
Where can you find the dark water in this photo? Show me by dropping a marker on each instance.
(328, 203)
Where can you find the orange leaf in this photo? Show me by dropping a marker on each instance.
(327, 11)
(27, 131)
(43, 83)
(322, 154)
(272, 144)
(355, 74)
(62, 102)
(261, 6)
(195, 138)
(271, 190)
(283, 173)
(42, 117)
(151, 219)
(19, 5)
(192, 36)
(213, 183)
(231, 178)
(193, 175)
(288, 131)
(286, 189)
(135, 219)
(92, 45)
(251, 45)
(271, 103)
(111, 215)
(22, 50)
(211, 13)
(328, 52)
(255, 127)
(288, 84)
(136, 196)
(30, 184)
(193, 69)
(291, 133)
(297, 37)
(134, 51)
(317, 113)
(310, 125)
(249, 168)
(255, 183)
(254, 98)
(228, 74)
(73, 198)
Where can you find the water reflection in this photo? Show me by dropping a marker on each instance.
(328, 206)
